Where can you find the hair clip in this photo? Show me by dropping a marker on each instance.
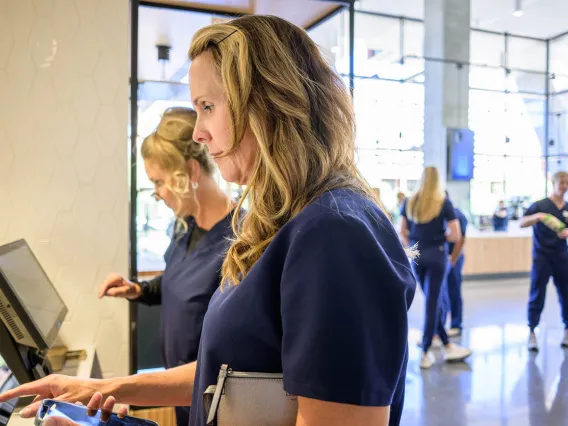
(226, 37)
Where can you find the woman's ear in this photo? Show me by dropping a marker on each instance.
(193, 169)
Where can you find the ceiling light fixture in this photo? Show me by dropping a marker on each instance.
(518, 12)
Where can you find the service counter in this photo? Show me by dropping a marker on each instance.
(490, 254)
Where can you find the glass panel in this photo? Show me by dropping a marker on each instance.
(509, 130)
(169, 27)
(559, 64)
(487, 78)
(390, 134)
(390, 115)
(413, 36)
(377, 45)
(558, 130)
(163, 85)
(526, 54)
(486, 49)
(526, 82)
(333, 39)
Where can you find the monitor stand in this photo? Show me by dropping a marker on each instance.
(25, 362)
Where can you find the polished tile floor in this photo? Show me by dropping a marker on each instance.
(502, 384)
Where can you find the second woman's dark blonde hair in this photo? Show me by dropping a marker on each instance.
(278, 84)
(171, 145)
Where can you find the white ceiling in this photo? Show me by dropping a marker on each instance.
(300, 12)
(541, 18)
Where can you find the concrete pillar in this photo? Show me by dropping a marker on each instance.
(446, 97)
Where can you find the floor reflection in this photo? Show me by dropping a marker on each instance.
(502, 383)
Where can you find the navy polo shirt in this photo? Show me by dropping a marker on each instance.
(433, 233)
(463, 227)
(326, 305)
(545, 240)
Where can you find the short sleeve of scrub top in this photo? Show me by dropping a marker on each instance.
(343, 315)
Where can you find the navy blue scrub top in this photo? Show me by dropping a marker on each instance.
(326, 305)
(188, 283)
(545, 240)
(463, 227)
(433, 233)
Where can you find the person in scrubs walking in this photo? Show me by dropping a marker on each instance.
(549, 218)
(182, 172)
(428, 221)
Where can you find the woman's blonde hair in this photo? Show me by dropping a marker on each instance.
(278, 85)
(170, 146)
(427, 202)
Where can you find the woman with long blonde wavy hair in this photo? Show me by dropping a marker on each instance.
(428, 222)
(316, 284)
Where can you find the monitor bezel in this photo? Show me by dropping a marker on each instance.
(42, 342)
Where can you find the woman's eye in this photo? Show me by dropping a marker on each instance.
(207, 107)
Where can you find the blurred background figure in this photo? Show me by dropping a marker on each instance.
(549, 218)
(454, 281)
(501, 217)
(428, 222)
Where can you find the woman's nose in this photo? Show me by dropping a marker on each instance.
(200, 135)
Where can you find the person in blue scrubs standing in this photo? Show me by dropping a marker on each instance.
(550, 256)
(316, 284)
(501, 218)
(428, 221)
(457, 260)
(182, 172)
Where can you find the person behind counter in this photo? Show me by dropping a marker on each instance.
(550, 255)
(300, 294)
(457, 260)
(501, 217)
(182, 172)
(425, 216)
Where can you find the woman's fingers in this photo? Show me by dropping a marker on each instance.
(107, 408)
(122, 412)
(94, 404)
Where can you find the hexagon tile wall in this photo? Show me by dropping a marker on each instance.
(64, 69)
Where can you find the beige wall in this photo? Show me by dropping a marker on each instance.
(64, 69)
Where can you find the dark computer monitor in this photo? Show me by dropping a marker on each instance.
(30, 307)
(7, 381)
(31, 312)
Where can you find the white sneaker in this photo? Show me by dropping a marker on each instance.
(454, 332)
(427, 360)
(533, 344)
(456, 353)
(564, 343)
